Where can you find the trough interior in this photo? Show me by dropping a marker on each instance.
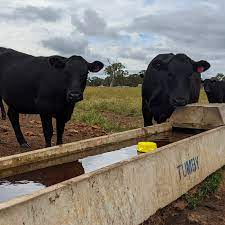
(26, 183)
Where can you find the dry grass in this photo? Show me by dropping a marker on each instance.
(203, 97)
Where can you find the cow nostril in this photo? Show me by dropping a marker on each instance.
(179, 102)
(75, 96)
(207, 90)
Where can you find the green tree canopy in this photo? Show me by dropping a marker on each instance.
(116, 73)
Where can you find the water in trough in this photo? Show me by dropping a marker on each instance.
(29, 182)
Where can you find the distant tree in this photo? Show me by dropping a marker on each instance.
(121, 77)
(133, 80)
(142, 73)
(116, 73)
(106, 81)
(95, 81)
(220, 76)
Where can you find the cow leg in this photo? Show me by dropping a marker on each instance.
(60, 125)
(46, 120)
(14, 119)
(2, 109)
(147, 114)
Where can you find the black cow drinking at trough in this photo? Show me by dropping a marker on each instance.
(49, 86)
(215, 90)
(170, 81)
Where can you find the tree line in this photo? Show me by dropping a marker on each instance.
(218, 76)
(116, 75)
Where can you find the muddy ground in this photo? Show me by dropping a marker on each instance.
(32, 131)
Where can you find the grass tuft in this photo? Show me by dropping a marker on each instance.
(209, 186)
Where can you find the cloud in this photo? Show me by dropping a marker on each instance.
(73, 44)
(196, 28)
(67, 46)
(31, 13)
(133, 53)
(92, 24)
(88, 30)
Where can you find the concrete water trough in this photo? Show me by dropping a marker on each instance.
(199, 116)
(125, 192)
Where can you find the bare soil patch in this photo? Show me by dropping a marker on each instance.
(32, 130)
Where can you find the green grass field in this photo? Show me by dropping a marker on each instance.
(114, 109)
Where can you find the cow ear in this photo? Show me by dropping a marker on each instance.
(95, 66)
(159, 65)
(201, 66)
(57, 61)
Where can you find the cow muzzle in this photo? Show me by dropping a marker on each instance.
(207, 89)
(162, 118)
(74, 97)
(178, 102)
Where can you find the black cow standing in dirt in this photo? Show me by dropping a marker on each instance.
(215, 90)
(49, 86)
(170, 81)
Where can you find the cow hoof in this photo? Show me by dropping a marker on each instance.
(25, 145)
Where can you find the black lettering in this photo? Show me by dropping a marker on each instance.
(197, 162)
(193, 165)
(188, 167)
(184, 171)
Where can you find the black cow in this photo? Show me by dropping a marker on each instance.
(170, 81)
(49, 86)
(215, 90)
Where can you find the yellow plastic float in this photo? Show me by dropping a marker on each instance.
(145, 147)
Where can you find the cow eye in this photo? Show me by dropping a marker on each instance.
(157, 65)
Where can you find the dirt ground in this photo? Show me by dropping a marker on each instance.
(210, 211)
(32, 130)
(124, 122)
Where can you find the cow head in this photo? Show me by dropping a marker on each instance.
(76, 70)
(176, 73)
(209, 85)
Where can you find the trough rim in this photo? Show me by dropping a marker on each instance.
(209, 105)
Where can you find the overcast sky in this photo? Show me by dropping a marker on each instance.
(129, 31)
